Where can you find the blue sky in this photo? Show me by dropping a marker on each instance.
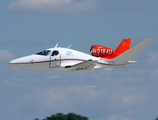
(29, 26)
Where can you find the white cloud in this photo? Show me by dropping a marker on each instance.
(113, 117)
(154, 73)
(6, 56)
(128, 99)
(117, 117)
(65, 97)
(152, 58)
(14, 82)
(124, 118)
(52, 77)
(53, 6)
(137, 74)
(118, 5)
(75, 6)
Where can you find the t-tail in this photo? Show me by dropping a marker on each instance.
(122, 55)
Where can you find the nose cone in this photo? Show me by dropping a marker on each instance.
(23, 62)
(13, 62)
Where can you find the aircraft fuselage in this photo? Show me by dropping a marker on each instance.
(59, 62)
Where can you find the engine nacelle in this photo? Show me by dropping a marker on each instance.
(100, 51)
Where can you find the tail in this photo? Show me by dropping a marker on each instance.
(124, 45)
(130, 53)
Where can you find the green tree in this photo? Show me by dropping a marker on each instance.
(156, 118)
(69, 116)
(59, 116)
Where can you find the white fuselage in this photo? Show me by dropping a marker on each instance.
(65, 57)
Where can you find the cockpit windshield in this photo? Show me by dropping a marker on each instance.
(44, 52)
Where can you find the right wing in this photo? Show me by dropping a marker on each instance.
(86, 65)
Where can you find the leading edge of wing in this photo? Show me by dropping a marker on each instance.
(86, 65)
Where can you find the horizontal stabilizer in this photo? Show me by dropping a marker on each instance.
(130, 53)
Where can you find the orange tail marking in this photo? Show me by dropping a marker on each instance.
(124, 45)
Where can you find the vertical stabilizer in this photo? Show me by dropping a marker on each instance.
(124, 45)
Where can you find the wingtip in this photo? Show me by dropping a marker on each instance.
(148, 39)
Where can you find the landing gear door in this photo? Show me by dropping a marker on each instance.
(55, 59)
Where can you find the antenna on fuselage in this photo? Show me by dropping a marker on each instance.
(56, 45)
(69, 46)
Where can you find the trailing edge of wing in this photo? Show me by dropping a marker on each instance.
(87, 65)
(130, 53)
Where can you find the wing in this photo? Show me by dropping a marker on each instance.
(86, 65)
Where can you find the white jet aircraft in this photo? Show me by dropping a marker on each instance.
(65, 59)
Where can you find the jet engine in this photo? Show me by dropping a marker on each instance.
(101, 51)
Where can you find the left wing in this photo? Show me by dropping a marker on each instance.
(86, 65)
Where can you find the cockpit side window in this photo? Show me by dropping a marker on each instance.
(55, 53)
(44, 52)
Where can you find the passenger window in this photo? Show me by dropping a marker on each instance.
(68, 52)
(55, 53)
